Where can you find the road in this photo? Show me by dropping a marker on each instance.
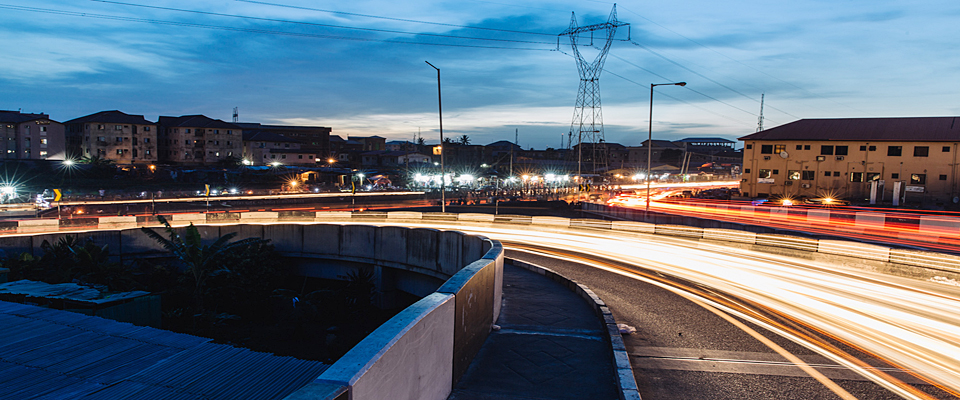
(717, 323)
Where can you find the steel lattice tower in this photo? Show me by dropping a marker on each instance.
(587, 122)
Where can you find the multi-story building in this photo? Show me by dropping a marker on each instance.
(199, 140)
(261, 148)
(30, 137)
(313, 139)
(843, 157)
(112, 135)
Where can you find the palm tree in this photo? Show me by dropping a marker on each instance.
(201, 261)
(464, 140)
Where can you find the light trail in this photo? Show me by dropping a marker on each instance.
(913, 325)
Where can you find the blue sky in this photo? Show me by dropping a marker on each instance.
(288, 62)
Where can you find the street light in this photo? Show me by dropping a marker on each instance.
(650, 135)
(443, 174)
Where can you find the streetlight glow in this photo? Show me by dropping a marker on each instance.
(650, 135)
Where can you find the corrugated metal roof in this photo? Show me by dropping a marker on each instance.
(58, 354)
(70, 291)
(918, 129)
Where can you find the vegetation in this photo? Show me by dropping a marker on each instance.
(238, 292)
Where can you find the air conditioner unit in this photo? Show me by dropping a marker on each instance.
(805, 186)
(821, 158)
(839, 158)
(766, 158)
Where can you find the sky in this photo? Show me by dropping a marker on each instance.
(358, 66)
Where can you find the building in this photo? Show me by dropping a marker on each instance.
(261, 147)
(842, 157)
(199, 140)
(313, 140)
(112, 135)
(30, 137)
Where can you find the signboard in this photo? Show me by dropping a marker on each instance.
(57, 195)
(918, 189)
(765, 180)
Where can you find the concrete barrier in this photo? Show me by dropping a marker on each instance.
(404, 215)
(679, 230)
(121, 222)
(729, 235)
(406, 358)
(853, 249)
(633, 226)
(550, 221)
(787, 241)
(475, 217)
(37, 225)
(940, 226)
(254, 217)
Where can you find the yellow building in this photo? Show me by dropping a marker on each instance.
(841, 158)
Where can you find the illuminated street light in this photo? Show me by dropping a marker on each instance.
(68, 162)
(650, 135)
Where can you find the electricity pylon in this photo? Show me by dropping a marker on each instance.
(587, 122)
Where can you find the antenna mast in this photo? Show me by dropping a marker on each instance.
(236, 114)
(760, 120)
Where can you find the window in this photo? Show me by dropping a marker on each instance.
(187, 130)
(287, 145)
(894, 151)
(946, 149)
(229, 154)
(793, 175)
(776, 172)
(146, 129)
(776, 148)
(217, 154)
(119, 152)
(872, 148)
(826, 150)
(921, 151)
(749, 146)
(283, 156)
(894, 176)
(43, 142)
(872, 176)
(841, 150)
(764, 173)
(766, 149)
(228, 143)
(216, 131)
(918, 179)
(101, 138)
(863, 148)
(217, 142)
(43, 129)
(118, 127)
(119, 139)
(836, 173)
(826, 173)
(146, 140)
(806, 147)
(856, 177)
(147, 152)
(229, 132)
(806, 175)
(799, 147)
(43, 153)
(746, 170)
(100, 127)
(942, 177)
(300, 156)
(273, 156)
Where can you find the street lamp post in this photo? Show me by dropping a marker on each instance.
(443, 177)
(650, 136)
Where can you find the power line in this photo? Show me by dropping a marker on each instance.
(741, 62)
(703, 76)
(392, 19)
(313, 23)
(247, 30)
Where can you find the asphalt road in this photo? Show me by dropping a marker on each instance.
(682, 350)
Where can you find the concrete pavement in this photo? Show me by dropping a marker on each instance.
(551, 345)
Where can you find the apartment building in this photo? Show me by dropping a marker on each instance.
(263, 148)
(112, 135)
(198, 140)
(843, 157)
(30, 137)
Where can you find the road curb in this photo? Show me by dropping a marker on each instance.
(623, 371)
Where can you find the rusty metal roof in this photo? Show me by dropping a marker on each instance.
(916, 129)
(47, 353)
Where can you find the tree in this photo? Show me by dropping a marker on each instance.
(201, 261)
(464, 140)
(100, 167)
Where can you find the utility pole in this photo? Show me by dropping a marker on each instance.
(760, 120)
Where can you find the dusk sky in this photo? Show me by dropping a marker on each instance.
(358, 66)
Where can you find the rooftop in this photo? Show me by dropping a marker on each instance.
(922, 129)
(18, 117)
(58, 354)
(112, 116)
